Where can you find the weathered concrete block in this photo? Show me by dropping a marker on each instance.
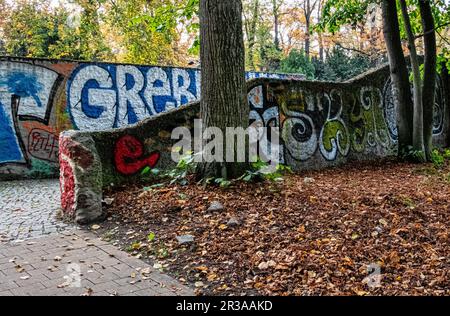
(81, 177)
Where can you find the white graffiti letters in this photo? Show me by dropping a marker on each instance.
(181, 83)
(130, 81)
(157, 85)
(110, 96)
(92, 103)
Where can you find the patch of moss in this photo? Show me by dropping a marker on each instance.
(43, 169)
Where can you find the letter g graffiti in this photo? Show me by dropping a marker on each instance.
(92, 98)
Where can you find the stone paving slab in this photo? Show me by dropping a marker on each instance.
(28, 209)
(76, 262)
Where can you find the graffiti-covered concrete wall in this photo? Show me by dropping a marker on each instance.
(325, 124)
(40, 98)
(321, 124)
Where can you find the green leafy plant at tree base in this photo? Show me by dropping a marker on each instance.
(261, 171)
(438, 156)
(412, 155)
(185, 167)
(179, 174)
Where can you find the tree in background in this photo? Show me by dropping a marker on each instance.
(34, 29)
(276, 8)
(147, 30)
(3, 15)
(30, 29)
(251, 13)
(417, 134)
(166, 32)
(355, 26)
(346, 66)
(298, 62)
(399, 74)
(416, 34)
(429, 76)
(338, 66)
(308, 9)
(419, 117)
(136, 31)
(92, 41)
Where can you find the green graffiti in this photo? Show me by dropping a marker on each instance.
(334, 135)
(368, 124)
(331, 131)
(381, 126)
(43, 169)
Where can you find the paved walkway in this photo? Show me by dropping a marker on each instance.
(28, 209)
(41, 256)
(78, 263)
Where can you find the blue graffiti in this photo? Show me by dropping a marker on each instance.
(24, 85)
(10, 150)
(104, 96)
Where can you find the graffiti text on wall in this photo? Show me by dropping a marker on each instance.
(26, 95)
(438, 114)
(109, 96)
(332, 122)
(104, 96)
(129, 156)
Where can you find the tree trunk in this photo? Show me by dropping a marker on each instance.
(373, 32)
(252, 34)
(418, 135)
(399, 75)
(429, 78)
(307, 27)
(319, 17)
(276, 24)
(223, 97)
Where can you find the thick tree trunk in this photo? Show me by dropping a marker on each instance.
(418, 135)
(429, 78)
(223, 96)
(399, 75)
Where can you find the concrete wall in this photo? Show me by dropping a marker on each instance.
(322, 124)
(40, 98)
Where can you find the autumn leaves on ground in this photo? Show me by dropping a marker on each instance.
(315, 233)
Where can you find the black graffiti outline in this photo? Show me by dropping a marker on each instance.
(440, 103)
(16, 118)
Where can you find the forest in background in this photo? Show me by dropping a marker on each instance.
(323, 39)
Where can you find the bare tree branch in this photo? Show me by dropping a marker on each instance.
(433, 30)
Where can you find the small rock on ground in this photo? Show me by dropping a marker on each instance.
(216, 206)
